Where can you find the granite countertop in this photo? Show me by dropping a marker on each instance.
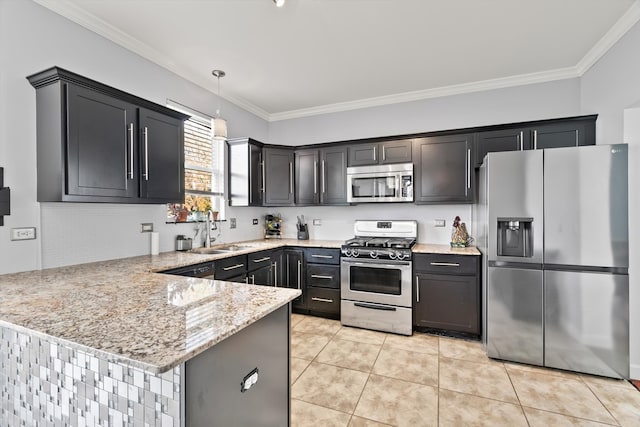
(430, 248)
(121, 311)
(124, 311)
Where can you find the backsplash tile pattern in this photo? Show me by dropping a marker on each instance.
(49, 384)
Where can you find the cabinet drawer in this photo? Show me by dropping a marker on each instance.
(258, 260)
(323, 276)
(229, 267)
(446, 264)
(325, 300)
(322, 256)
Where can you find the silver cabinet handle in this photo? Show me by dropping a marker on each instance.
(264, 177)
(417, 288)
(535, 139)
(374, 152)
(253, 279)
(246, 280)
(262, 259)
(322, 256)
(323, 177)
(384, 153)
(290, 177)
(299, 267)
(468, 168)
(577, 138)
(275, 274)
(446, 264)
(321, 276)
(315, 177)
(322, 299)
(521, 141)
(146, 154)
(131, 142)
(233, 267)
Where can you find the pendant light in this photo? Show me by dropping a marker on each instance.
(219, 124)
(279, 3)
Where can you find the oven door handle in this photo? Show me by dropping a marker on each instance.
(376, 263)
(374, 306)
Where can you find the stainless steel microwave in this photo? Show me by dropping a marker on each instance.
(380, 183)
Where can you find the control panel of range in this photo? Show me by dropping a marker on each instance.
(377, 253)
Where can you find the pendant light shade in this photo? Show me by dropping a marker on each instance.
(219, 124)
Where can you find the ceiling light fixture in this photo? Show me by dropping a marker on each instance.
(279, 3)
(219, 124)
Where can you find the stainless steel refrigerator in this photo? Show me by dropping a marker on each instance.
(556, 260)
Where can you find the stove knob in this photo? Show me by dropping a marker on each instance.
(400, 255)
(392, 255)
(373, 254)
(345, 252)
(354, 252)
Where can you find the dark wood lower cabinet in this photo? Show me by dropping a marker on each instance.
(447, 293)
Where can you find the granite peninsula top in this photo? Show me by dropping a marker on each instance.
(125, 311)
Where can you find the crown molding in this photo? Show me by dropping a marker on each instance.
(91, 22)
(500, 83)
(611, 37)
(76, 14)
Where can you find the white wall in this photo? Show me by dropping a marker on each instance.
(612, 89)
(32, 39)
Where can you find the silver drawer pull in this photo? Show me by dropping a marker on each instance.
(446, 264)
(322, 256)
(320, 276)
(262, 259)
(322, 299)
(233, 267)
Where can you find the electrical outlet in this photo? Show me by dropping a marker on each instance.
(146, 227)
(439, 222)
(317, 222)
(25, 233)
(255, 221)
(232, 223)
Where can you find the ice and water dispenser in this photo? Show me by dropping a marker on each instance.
(515, 238)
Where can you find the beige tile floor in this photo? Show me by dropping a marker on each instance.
(344, 376)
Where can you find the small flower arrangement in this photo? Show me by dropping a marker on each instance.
(459, 235)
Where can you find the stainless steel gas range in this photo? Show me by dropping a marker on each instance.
(376, 265)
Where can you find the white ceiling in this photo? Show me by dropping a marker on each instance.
(317, 56)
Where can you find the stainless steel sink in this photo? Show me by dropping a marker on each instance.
(220, 249)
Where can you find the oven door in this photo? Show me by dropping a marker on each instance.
(376, 281)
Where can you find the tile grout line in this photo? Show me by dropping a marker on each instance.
(513, 386)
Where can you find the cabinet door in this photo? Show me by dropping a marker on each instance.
(563, 134)
(279, 177)
(333, 171)
(262, 276)
(447, 302)
(101, 145)
(161, 157)
(443, 169)
(501, 140)
(363, 154)
(294, 274)
(307, 191)
(256, 175)
(396, 151)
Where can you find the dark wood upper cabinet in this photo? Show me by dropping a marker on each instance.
(96, 143)
(246, 172)
(321, 176)
(501, 140)
(443, 169)
(307, 181)
(571, 133)
(279, 176)
(161, 159)
(386, 152)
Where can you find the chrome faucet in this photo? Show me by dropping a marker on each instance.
(208, 239)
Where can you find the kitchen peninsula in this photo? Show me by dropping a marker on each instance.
(114, 343)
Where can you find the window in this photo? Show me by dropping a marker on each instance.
(203, 171)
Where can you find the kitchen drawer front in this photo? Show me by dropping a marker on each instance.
(324, 300)
(446, 264)
(258, 260)
(322, 256)
(229, 267)
(323, 276)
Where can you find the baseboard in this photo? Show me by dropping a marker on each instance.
(634, 371)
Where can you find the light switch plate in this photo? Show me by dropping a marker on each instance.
(24, 233)
(439, 222)
(255, 221)
(146, 227)
(232, 223)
